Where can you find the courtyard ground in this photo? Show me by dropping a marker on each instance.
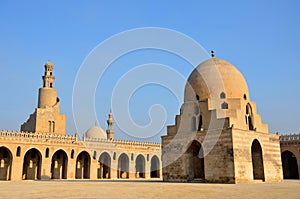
(140, 189)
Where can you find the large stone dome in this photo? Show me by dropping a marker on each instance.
(215, 78)
(95, 132)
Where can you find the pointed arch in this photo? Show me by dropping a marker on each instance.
(249, 117)
(289, 165)
(5, 163)
(257, 161)
(155, 167)
(59, 165)
(104, 168)
(140, 166)
(195, 161)
(32, 164)
(123, 166)
(83, 163)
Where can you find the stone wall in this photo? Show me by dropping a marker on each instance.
(217, 152)
(243, 161)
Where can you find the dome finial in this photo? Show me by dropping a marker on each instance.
(212, 53)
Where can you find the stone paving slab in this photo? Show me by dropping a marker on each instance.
(141, 189)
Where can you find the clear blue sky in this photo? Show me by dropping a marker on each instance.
(261, 38)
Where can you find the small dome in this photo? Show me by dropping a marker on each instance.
(215, 78)
(95, 132)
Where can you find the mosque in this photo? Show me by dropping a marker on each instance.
(42, 150)
(217, 137)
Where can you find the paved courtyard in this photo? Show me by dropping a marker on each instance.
(140, 189)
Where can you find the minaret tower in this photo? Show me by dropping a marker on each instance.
(110, 131)
(47, 94)
(46, 117)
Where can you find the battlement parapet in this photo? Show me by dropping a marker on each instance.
(38, 136)
(290, 139)
(123, 142)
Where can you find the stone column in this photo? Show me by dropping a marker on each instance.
(113, 170)
(93, 169)
(46, 168)
(147, 169)
(71, 168)
(131, 169)
(17, 168)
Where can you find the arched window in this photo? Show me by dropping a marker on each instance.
(222, 95)
(47, 153)
(72, 154)
(94, 155)
(200, 123)
(132, 157)
(249, 117)
(51, 126)
(245, 97)
(18, 151)
(114, 156)
(197, 97)
(147, 157)
(224, 105)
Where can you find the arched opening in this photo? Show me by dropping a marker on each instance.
(47, 153)
(222, 95)
(104, 168)
(132, 157)
(249, 117)
(155, 171)
(200, 123)
(72, 154)
(195, 161)
(140, 166)
(32, 165)
(123, 166)
(18, 151)
(5, 163)
(224, 105)
(257, 161)
(59, 165)
(289, 165)
(83, 162)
